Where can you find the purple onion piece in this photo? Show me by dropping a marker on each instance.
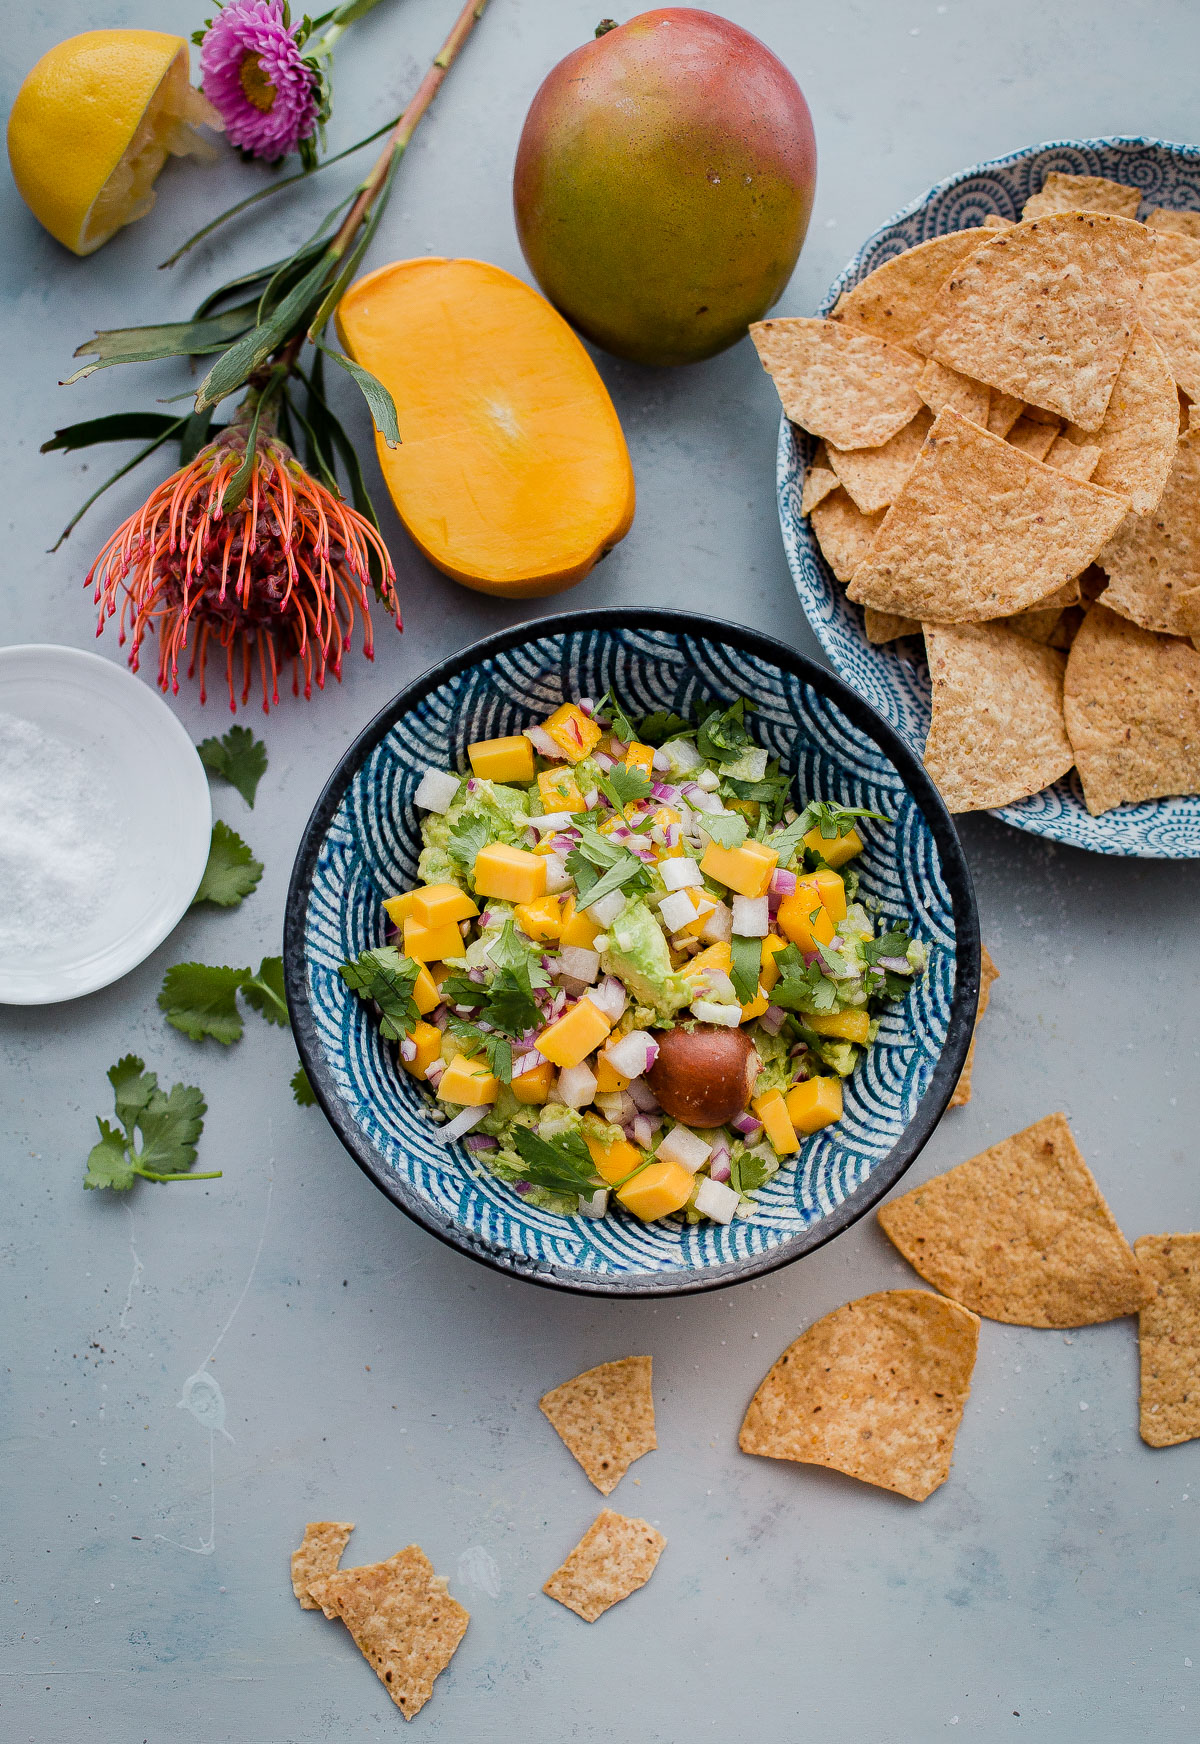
(772, 1019)
(480, 1141)
(898, 965)
(746, 1125)
(783, 883)
(642, 1094)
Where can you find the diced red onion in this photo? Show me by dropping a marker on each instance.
(641, 1131)
(408, 1048)
(558, 1002)
(719, 1162)
(661, 761)
(800, 1048)
(772, 1019)
(438, 1017)
(671, 833)
(746, 1125)
(641, 1092)
(589, 799)
(522, 1187)
(587, 705)
(476, 975)
(472, 784)
(541, 741)
(783, 883)
(480, 1141)
(663, 791)
(602, 761)
(527, 1062)
(562, 844)
(898, 965)
(619, 748)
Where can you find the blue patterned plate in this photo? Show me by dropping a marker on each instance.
(361, 845)
(894, 677)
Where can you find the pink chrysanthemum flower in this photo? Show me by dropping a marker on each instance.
(253, 74)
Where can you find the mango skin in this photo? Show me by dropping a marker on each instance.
(663, 185)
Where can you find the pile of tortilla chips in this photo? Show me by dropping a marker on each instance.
(1005, 439)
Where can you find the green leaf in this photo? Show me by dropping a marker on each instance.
(302, 1090)
(747, 1174)
(802, 988)
(129, 466)
(509, 950)
(744, 973)
(265, 991)
(727, 829)
(466, 838)
(383, 406)
(831, 819)
(563, 1164)
(116, 427)
(263, 275)
(201, 1000)
(511, 1006)
(660, 726)
(235, 366)
(237, 757)
(622, 726)
(170, 339)
(786, 842)
(232, 871)
(623, 868)
(133, 1087)
(622, 786)
(497, 1048)
(772, 791)
(724, 731)
(108, 1163)
(170, 1126)
(388, 977)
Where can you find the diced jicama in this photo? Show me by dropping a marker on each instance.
(709, 780)
(642, 1094)
(611, 997)
(557, 876)
(594, 1205)
(682, 1145)
(751, 917)
(677, 910)
(605, 912)
(681, 874)
(616, 1105)
(634, 1054)
(707, 1011)
(550, 821)
(462, 1123)
(436, 790)
(716, 1200)
(718, 926)
(700, 800)
(543, 744)
(577, 1085)
(578, 963)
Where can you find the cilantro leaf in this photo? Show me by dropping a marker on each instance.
(108, 1163)
(459, 989)
(724, 732)
(787, 841)
(833, 820)
(509, 950)
(748, 1173)
(511, 1006)
(265, 992)
(893, 943)
(497, 1048)
(657, 728)
(467, 837)
(168, 1125)
(747, 960)
(621, 786)
(133, 1087)
(238, 758)
(201, 1000)
(387, 977)
(618, 866)
(232, 871)
(621, 724)
(802, 987)
(727, 829)
(302, 1090)
(563, 1164)
(771, 791)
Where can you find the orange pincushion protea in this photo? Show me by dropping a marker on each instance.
(275, 580)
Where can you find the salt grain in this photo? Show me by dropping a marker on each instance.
(56, 866)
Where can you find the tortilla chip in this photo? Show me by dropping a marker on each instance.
(614, 1558)
(988, 973)
(994, 221)
(1077, 459)
(844, 535)
(886, 626)
(1033, 437)
(894, 301)
(1169, 1339)
(1171, 310)
(1046, 310)
(1153, 561)
(819, 480)
(1021, 1233)
(873, 477)
(1003, 412)
(1061, 193)
(876, 1390)
(940, 387)
(848, 387)
(319, 1554)
(1171, 251)
(996, 733)
(402, 1619)
(980, 530)
(1038, 625)
(1067, 628)
(1182, 223)
(606, 1418)
(1132, 708)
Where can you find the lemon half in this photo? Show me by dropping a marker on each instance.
(93, 125)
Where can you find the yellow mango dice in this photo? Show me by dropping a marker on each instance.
(746, 870)
(846, 1026)
(540, 920)
(658, 1190)
(772, 1111)
(756, 1006)
(573, 732)
(814, 1104)
(718, 957)
(425, 944)
(771, 947)
(428, 1042)
(437, 905)
(511, 874)
(509, 759)
(831, 888)
(559, 791)
(534, 1086)
(804, 918)
(578, 928)
(608, 1079)
(834, 850)
(614, 1160)
(641, 758)
(469, 1082)
(425, 992)
(399, 908)
(575, 1035)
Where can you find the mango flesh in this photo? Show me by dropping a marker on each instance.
(663, 185)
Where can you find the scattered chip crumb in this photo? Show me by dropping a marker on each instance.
(1169, 1339)
(318, 1556)
(402, 1619)
(615, 1556)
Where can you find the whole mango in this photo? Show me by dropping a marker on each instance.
(663, 184)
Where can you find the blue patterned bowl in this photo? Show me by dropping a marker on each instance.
(361, 845)
(894, 677)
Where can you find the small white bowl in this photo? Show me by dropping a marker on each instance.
(148, 808)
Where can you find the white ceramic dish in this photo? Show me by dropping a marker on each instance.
(152, 832)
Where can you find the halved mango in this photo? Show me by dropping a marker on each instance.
(512, 473)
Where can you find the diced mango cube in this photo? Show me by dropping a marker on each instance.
(425, 944)
(658, 1190)
(469, 1082)
(608, 1079)
(511, 874)
(834, 850)
(772, 1111)
(846, 1026)
(578, 928)
(534, 1086)
(428, 1042)
(509, 759)
(573, 732)
(614, 1160)
(771, 947)
(756, 1006)
(805, 919)
(399, 908)
(718, 957)
(436, 904)
(747, 869)
(575, 1035)
(831, 888)
(641, 758)
(542, 919)
(425, 992)
(814, 1104)
(559, 791)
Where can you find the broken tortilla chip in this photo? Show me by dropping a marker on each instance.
(894, 301)
(848, 387)
(1153, 560)
(887, 626)
(819, 480)
(980, 530)
(614, 1558)
(1141, 426)
(844, 535)
(1046, 310)
(988, 973)
(873, 477)
(319, 1553)
(994, 221)
(1020, 1233)
(402, 1619)
(1173, 250)
(1076, 459)
(606, 1418)
(876, 1390)
(1033, 437)
(1169, 1339)
(996, 733)
(940, 386)
(1038, 625)
(1183, 223)
(1062, 193)
(1171, 310)
(1003, 412)
(1132, 706)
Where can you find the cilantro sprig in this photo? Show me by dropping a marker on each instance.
(232, 871)
(802, 987)
(747, 961)
(722, 735)
(599, 866)
(727, 829)
(238, 758)
(466, 838)
(748, 1173)
(563, 1163)
(167, 1123)
(663, 724)
(201, 998)
(387, 977)
(507, 1003)
(621, 786)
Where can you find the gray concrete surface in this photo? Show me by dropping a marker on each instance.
(1049, 1591)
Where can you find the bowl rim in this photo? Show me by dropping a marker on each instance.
(954, 871)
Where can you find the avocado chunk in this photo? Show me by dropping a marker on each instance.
(638, 955)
